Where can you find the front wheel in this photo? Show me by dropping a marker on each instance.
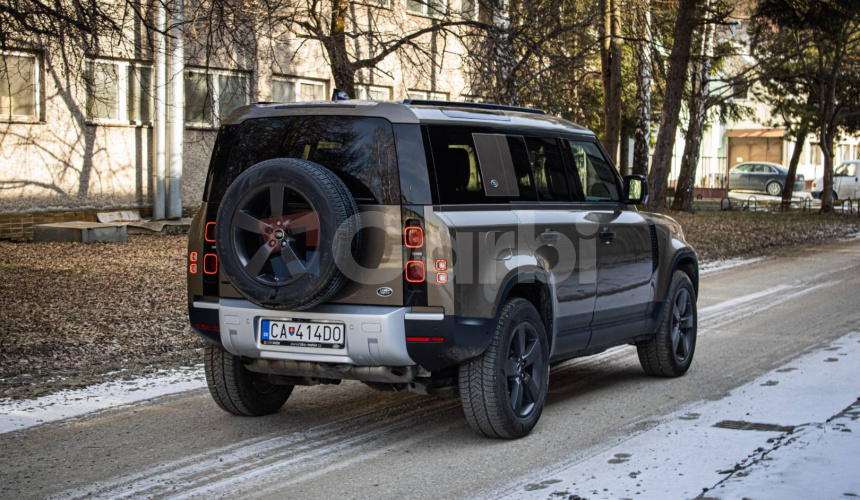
(504, 390)
(239, 391)
(670, 352)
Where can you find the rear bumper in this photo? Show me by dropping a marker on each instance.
(376, 336)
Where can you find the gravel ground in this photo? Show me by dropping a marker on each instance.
(74, 315)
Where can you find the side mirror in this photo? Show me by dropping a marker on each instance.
(635, 190)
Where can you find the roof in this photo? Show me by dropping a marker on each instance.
(416, 112)
(775, 165)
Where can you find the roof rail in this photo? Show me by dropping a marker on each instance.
(477, 105)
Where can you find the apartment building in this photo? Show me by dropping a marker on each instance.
(76, 127)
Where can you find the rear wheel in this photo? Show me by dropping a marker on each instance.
(240, 391)
(774, 189)
(504, 390)
(670, 352)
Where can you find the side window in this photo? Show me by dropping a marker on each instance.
(461, 176)
(596, 175)
(761, 169)
(548, 167)
(743, 168)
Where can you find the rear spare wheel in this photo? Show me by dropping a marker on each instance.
(282, 226)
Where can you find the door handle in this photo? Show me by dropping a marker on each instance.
(607, 235)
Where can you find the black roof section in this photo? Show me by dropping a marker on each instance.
(476, 105)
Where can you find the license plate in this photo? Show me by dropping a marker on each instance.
(302, 334)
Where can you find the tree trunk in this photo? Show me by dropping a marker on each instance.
(342, 69)
(788, 191)
(642, 134)
(700, 87)
(827, 190)
(624, 149)
(675, 80)
(610, 50)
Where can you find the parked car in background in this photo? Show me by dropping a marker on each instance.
(759, 176)
(846, 184)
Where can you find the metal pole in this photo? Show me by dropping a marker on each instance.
(177, 112)
(160, 115)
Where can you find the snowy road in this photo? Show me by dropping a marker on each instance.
(761, 402)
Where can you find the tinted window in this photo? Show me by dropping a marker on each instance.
(358, 150)
(742, 168)
(548, 168)
(762, 169)
(847, 169)
(458, 170)
(596, 176)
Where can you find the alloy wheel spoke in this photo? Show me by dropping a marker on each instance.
(676, 338)
(532, 388)
(687, 321)
(688, 345)
(531, 354)
(255, 265)
(244, 220)
(276, 199)
(516, 395)
(294, 263)
(520, 340)
(681, 302)
(511, 368)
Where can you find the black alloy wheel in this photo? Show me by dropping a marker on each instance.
(523, 369)
(683, 326)
(276, 234)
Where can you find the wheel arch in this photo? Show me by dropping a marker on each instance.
(533, 286)
(689, 264)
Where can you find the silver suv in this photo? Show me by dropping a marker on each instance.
(452, 249)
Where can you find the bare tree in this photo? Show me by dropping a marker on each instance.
(610, 62)
(642, 133)
(687, 19)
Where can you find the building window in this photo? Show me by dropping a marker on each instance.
(19, 87)
(426, 95)
(119, 92)
(740, 90)
(469, 9)
(289, 89)
(210, 97)
(372, 93)
(429, 8)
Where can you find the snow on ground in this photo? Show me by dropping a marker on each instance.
(792, 433)
(715, 266)
(744, 195)
(20, 414)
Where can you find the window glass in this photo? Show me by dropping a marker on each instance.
(283, 91)
(548, 168)
(743, 168)
(232, 93)
(198, 100)
(312, 92)
(432, 8)
(846, 169)
(359, 150)
(762, 169)
(103, 91)
(467, 8)
(139, 94)
(17, 86)
(596, 176)
(458, 169)
(373, 93)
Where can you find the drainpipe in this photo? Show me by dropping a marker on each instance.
(160, 115)
(176, 118)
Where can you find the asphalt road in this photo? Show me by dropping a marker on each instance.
(349, 441)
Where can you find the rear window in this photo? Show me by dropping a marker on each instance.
(358, 150)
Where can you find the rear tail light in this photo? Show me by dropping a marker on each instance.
(210, 263)
(441, 278)
(192, 257)
(413, 237)
(425, 339)
(192, 268)
(209, 235)
(415, 271)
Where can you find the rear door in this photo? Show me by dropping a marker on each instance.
(624, 257)
(759, 176)
(563, 238)
(739, 177)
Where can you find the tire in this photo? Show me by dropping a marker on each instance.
(663, 356)
(487, 381)
(286, 257)
(239, 391)
(774, 188)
